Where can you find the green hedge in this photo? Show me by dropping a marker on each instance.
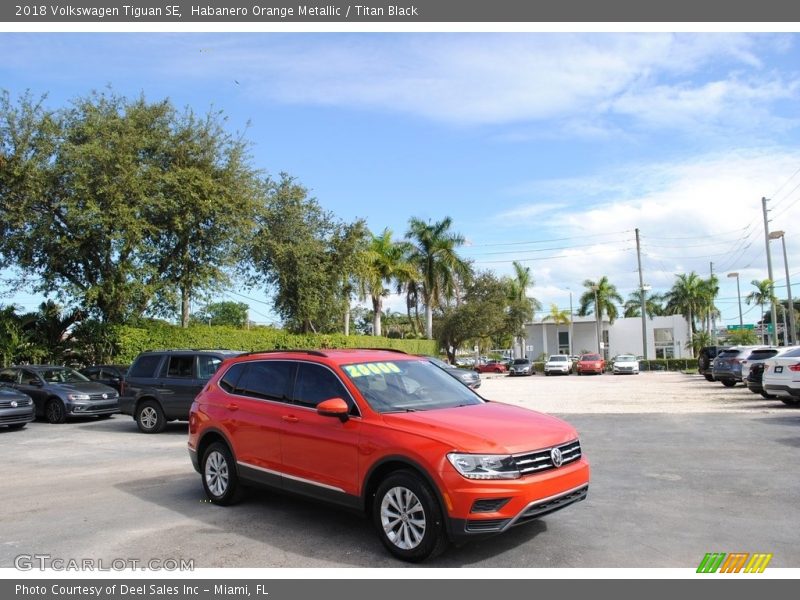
(130, 341)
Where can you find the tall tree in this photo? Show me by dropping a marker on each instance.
(207, 204)
(116, 204)
(441, 269)
(763, 295)
(520, 306)
(653, 305)
(687, 297)
(301, 251)
(228, 313)
(607, 299)
(386, 264)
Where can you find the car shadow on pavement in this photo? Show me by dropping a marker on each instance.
(290, 525)
(125, 424)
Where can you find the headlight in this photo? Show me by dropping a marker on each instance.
(78, 396)
(484, 466)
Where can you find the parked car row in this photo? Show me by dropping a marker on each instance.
(772, 372)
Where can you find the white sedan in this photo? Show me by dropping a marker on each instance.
(558, 363)
(625, 363)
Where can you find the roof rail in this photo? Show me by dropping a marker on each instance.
(384, 349)
(273, 350)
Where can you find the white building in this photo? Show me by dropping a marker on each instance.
(666, 337)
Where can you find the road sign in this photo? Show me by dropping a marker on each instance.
(738, 327)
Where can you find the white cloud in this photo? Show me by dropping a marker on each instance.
(689, 213)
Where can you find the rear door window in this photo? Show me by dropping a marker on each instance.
(207, 365)
(180, 366)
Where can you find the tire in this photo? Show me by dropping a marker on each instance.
(728, 382)
(220, 479)
(547, 373)
(55, 412)
(150, 417)
(791, 402)
(768, 396)
(103, 417)
(16, 426)
(709, 377)
(408, 518)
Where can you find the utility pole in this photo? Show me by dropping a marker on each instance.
(641, 292)
(773, 312)
(713, 319)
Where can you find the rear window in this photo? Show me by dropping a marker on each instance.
(728, 353)
(762, 354)
(145, 366)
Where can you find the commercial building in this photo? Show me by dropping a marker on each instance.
(667, 337)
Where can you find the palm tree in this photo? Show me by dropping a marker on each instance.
(521, 306)
(558, 316)
(687, 297)
(709, 290)
(441, 269)
(606, 294)
(653, 305)
(385, 262)
(763, 295)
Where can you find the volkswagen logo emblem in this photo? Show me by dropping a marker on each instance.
(14, 404)
(105, 396)
(555, 456)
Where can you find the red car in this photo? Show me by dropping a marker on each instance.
(590, 363)
(491, 366)
(387, 434)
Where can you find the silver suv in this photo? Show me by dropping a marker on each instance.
(161, 385)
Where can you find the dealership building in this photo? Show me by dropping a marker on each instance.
(667, 337)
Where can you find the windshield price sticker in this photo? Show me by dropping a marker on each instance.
(367, 369)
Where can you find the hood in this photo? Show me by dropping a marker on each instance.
(85, 387)
(491, 428)
(7, 393)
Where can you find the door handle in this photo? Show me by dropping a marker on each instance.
(290, 418)
(232, 406)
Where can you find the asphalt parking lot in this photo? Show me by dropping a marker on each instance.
(680, 467)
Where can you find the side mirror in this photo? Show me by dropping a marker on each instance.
(333, 407)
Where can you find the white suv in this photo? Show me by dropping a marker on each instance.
(782, 377)
(558, 363)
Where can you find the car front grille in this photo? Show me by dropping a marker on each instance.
(20, 403)
(99, 397)
(541, 460)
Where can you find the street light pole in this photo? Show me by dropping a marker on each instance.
(791, 337)
(739, 296)
(571, 327)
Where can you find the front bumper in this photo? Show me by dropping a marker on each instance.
(17, 416)
(624, 370)
(89, 410)
(523, 500)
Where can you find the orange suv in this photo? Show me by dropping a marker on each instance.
(385, 433)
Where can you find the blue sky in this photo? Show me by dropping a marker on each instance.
(547, 148)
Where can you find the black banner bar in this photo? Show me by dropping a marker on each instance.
(398, 11)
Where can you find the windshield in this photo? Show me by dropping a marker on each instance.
(62, 376)
(558, 358)
(521, 361)
(626, 358)
(408, 386)
(591, 357)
